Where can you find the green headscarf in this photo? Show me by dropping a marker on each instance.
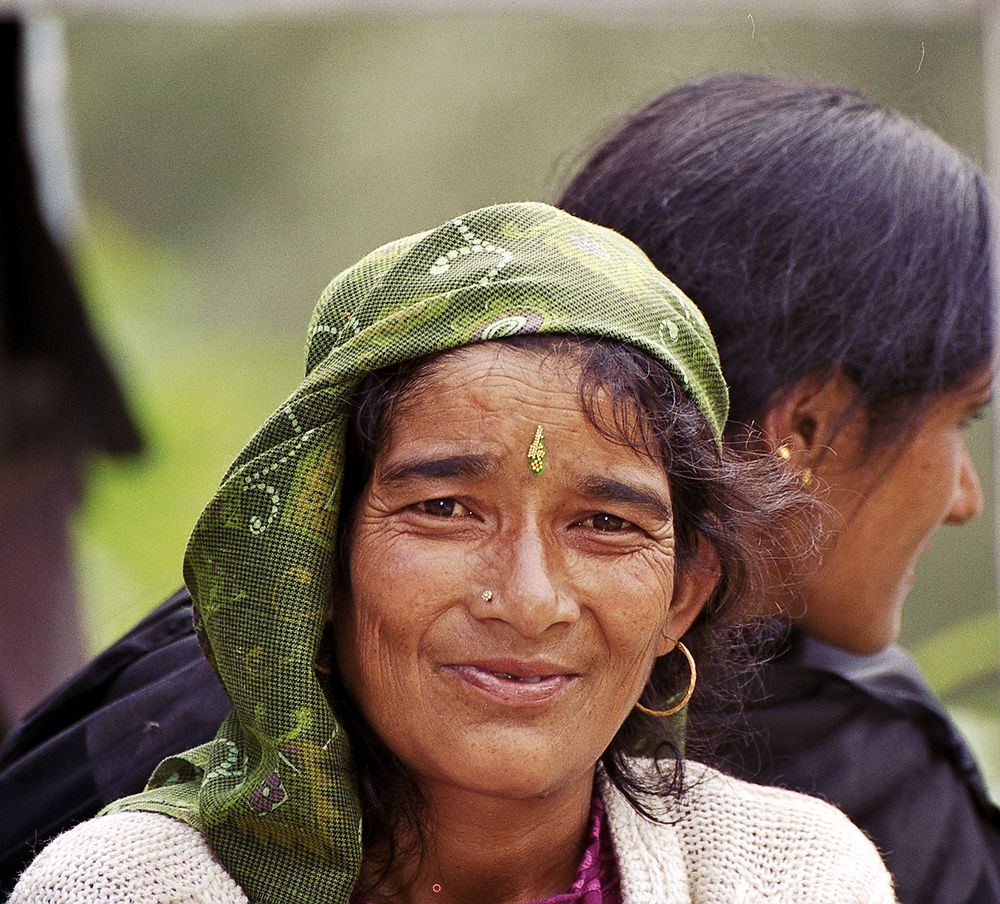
(274, 791)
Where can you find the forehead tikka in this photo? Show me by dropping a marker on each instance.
(536, 452)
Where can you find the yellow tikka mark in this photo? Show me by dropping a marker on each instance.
(536, 452)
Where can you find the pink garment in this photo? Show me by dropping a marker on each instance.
(597, 879)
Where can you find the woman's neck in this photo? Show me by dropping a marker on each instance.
(494, 851)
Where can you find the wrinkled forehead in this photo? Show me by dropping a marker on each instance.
(579, 373)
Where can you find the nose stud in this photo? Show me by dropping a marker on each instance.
(487, 596)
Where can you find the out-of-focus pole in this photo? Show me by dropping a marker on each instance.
(48, 125)
(989, 18)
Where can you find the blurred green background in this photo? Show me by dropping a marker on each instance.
(230, 168)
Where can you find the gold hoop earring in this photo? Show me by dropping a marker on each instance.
(663, 713)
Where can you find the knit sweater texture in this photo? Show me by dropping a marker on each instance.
(727, 842)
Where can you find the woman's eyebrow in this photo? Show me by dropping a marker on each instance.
(472, 465)
(607, 489)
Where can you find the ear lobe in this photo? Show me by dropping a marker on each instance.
(807, 415)
(693, 585)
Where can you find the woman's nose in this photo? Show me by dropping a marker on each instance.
(529, 595)
(968, 499)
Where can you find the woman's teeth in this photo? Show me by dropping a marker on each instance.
(533, 680)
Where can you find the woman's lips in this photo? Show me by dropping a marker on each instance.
(514, 683)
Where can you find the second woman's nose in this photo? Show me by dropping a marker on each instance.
(967, 503)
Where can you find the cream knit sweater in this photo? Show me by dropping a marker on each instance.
(731, 843)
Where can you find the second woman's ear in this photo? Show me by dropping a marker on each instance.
(807, 415)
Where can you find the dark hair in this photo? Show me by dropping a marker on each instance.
(816, 231)
(742, 504)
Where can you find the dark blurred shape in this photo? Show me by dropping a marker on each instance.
(59, 403)
(100, 736)
(868, 734)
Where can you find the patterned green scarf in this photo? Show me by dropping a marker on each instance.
(274, 791)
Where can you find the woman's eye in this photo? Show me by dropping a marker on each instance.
(605, 522)
(443, 508)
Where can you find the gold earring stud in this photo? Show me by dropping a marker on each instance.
(784, 452)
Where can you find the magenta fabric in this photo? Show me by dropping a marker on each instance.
(597, 880)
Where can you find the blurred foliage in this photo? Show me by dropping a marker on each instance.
(231, 169)
(198, 393)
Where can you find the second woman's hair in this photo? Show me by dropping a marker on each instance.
(815, 229)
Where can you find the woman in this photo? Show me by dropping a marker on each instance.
(840, 253)
(438, 582)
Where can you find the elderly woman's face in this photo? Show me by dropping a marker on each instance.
(503, 622)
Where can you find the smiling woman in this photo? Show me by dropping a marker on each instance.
(506, 702)
(436, 585)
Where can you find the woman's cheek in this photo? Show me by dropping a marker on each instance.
(642, 582)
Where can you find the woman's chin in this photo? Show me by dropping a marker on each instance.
(514, 783)
(508, 763)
